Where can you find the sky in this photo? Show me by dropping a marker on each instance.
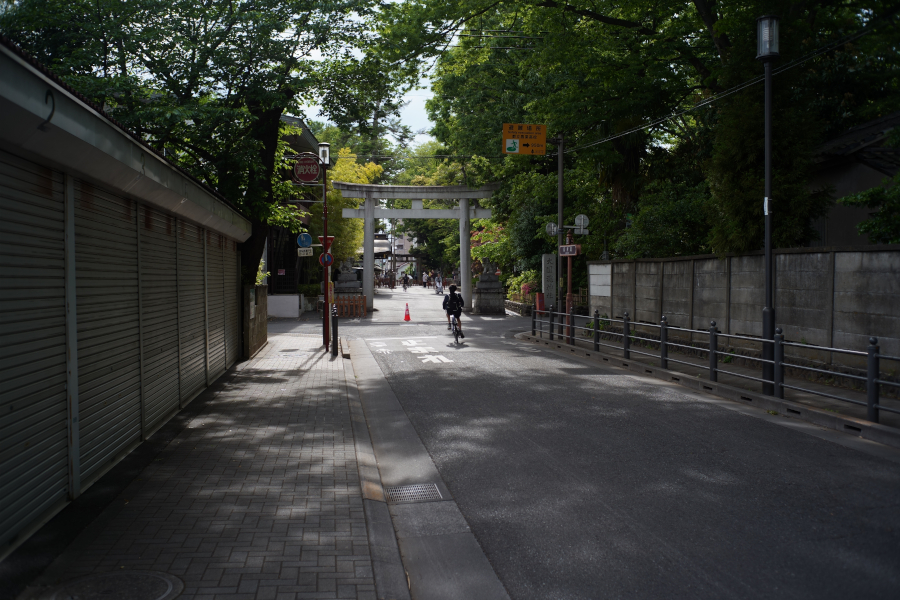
(413, 114)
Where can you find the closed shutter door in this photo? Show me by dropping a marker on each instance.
(191, 312)
(232, 314)
(33, 410)
(215, 249)
(109, 370)
(159, 315)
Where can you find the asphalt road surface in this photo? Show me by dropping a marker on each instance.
(584, 481)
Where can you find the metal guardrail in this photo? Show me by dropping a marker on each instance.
(564, 328)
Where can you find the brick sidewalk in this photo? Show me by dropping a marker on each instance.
(258, 498)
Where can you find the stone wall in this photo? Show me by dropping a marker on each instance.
(828, 297)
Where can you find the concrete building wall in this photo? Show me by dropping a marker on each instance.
(828, 297)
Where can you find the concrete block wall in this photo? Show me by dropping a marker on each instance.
(710, 293)
(867, 300)
(676, 293)
(622, 289)
(747, 294)
(646, 295)
(828, 297)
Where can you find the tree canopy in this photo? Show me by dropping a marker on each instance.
(207, 83)
(600, 72)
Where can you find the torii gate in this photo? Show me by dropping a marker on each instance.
(416, 193)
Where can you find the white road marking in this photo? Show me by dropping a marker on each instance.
(422, 349)
(435, 359)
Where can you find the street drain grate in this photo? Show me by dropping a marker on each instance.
(419, 492)
(121, 585)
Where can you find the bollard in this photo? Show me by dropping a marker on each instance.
(713, 352)
(552, 319)
(533, 317)
(663, 343)
(872, 380)
(596, 331)
(334, 327)
(626, 331)
(779, 364)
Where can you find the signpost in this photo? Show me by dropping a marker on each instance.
(326, 259)
(326, 242)
(522, 138)
(304, 240)
(304, 252)
(569, 250)
(306, 169)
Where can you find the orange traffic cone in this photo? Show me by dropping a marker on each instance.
(406, 318)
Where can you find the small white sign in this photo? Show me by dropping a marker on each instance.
(304, 252)
(512, 146)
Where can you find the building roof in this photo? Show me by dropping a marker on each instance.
(865, 143)
(47, 120)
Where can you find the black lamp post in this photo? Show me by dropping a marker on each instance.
(324, 158)
(767, 51)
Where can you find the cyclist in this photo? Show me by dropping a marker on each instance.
(405, 281)
(453, 304)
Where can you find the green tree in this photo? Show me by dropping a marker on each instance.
(593, 69)
(208, 83)
(883, 225)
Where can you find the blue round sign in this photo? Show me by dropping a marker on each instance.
(304, 240)
(326, 260)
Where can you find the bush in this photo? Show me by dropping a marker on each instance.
(526, 282)
(309, 289)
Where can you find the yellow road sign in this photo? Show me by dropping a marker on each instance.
(521, 138)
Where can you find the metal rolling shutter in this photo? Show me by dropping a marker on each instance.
(215, 248)
(109, 378)
(33, 410)
(159, 316)
(232, 297)
(191, 312)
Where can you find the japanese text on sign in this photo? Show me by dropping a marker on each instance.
(522, 138)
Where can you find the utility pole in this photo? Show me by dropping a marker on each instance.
(560, 192)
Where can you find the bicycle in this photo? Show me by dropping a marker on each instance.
(454, 324)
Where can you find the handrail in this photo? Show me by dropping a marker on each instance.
(566, 327)
(824, 348)
(793, 366)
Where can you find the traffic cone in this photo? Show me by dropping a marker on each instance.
(406, 318)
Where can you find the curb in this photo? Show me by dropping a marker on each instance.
(867, 430)
(387, 567)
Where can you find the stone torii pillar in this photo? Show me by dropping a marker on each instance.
(416, 193)
(369, 250)
(465, 254)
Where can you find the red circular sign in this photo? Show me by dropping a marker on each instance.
(306, 169)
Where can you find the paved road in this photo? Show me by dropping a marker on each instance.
(586, 482)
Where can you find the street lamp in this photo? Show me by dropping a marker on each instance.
(767, 51)
(324, 155)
